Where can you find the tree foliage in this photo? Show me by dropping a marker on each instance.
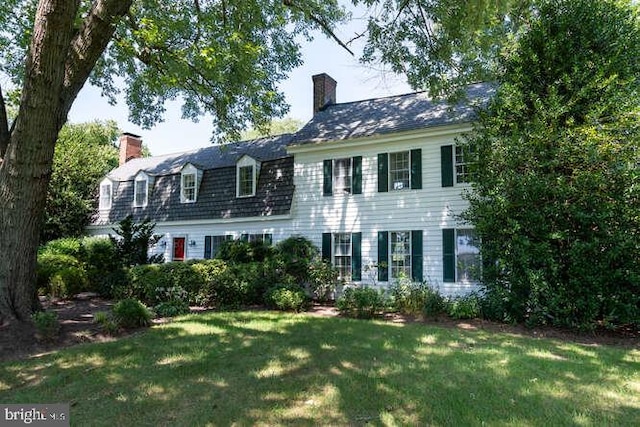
(133, 240)
(276, 127)
(556, 197)
(84, 154)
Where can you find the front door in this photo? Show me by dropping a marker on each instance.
(178, 248)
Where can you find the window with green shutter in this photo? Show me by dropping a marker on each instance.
(448, 255)
(416, 169)
(356, 256)
(383, 256)
(446, 165)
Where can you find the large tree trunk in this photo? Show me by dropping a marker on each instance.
(59, 62)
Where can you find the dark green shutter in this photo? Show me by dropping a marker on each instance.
(383, 173)
(268, 238)
(383, 256)
(326, 247)
(244, 237)
(356, 256)
(446, 162)
(448, 255)
(357, 175)
(416, 255)
(207, 247)
(327, 172)
(416, 169)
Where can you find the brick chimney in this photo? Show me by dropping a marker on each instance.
(130, 147)
(324, 91)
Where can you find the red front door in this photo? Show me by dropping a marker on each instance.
(178, 248)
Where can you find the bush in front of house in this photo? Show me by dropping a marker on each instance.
(295, 255)
(130, 313)
(70, 246)
(323, 279)
(464, 307)
(362, 303)
(47, 325)
(60, 275)
(287, 297)
(416, 299)
(104, 268)
(241, 251)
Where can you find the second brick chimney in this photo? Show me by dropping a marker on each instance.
(324, 91)
(130, 147)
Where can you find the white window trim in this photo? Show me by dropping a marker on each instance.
(101, 205)
(465, 164)
(458, 254)
(391, 269)
(247, 161)
(389, 180)
(349, 252)
(139, 178)
(334, 181)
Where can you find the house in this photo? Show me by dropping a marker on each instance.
(376, 184)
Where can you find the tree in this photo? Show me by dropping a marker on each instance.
(83, 155)
(556, 197)
(133, 242)
(276, 127)
(219, 57)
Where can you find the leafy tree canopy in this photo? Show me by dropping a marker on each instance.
(556, 196)
(276, 127)
(84, 154)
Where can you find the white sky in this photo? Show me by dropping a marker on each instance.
(355, 82)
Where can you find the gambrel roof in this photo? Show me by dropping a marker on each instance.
(387, 115)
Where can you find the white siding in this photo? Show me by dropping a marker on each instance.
(430, 209)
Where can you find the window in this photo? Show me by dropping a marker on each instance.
(455, 164)
(189, 188)
(106, 192)
(401, 253)
(258, 238)
(212, 244)
(140, 191)
(461, 256)
(344, 252)
(245, 181)
(400, 171)
(463, 160)
(342, 175)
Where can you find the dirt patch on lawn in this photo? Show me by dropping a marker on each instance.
(77, 326)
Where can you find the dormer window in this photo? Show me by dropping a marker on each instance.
(190, 177)
(246, 172)
(141, 190)
(106, 194)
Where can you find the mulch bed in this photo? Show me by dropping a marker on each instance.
(77, 326)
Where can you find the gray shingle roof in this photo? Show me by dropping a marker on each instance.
(391, 114)
(215, 156)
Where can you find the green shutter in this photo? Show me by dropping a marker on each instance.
(448, 255)
(268, 238)
(446, 162)
(327, 173)
(207, 247)
(416, 255)
(383, 256)
(244, 237)
(416, 169)
(383, 173)
(326, 247)
(356, 256)
(357, 175)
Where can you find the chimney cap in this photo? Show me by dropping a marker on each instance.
(130, 134)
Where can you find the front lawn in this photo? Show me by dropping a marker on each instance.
(264, 368)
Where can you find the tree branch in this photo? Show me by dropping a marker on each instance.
(95, 33)
(5, 136)
(321, 22)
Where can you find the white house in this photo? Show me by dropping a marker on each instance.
(375, 184)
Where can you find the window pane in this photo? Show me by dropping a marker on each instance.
(342, 175)
(141, 192)
(399, 170)
(400, 247)
(189, 187)
(469, 266)
(342, 254)
(246, 181)
(463, 159)
(105, 196)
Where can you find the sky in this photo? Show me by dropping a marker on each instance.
(355, 82)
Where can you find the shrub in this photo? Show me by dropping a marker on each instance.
(105, 320)
(287, 298)
(184, 276)
(171, 308)
(131, 313)
(212, 273)
(103, 266)
(241, 251)
(323, 279)
(66, 246)
(466, 307)
(60, 275)
(295, 254)
(363, 303)
(414, 299)
(46, 323)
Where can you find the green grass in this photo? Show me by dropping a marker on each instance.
(263, 368)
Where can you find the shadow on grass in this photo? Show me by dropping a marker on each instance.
(253, 368)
